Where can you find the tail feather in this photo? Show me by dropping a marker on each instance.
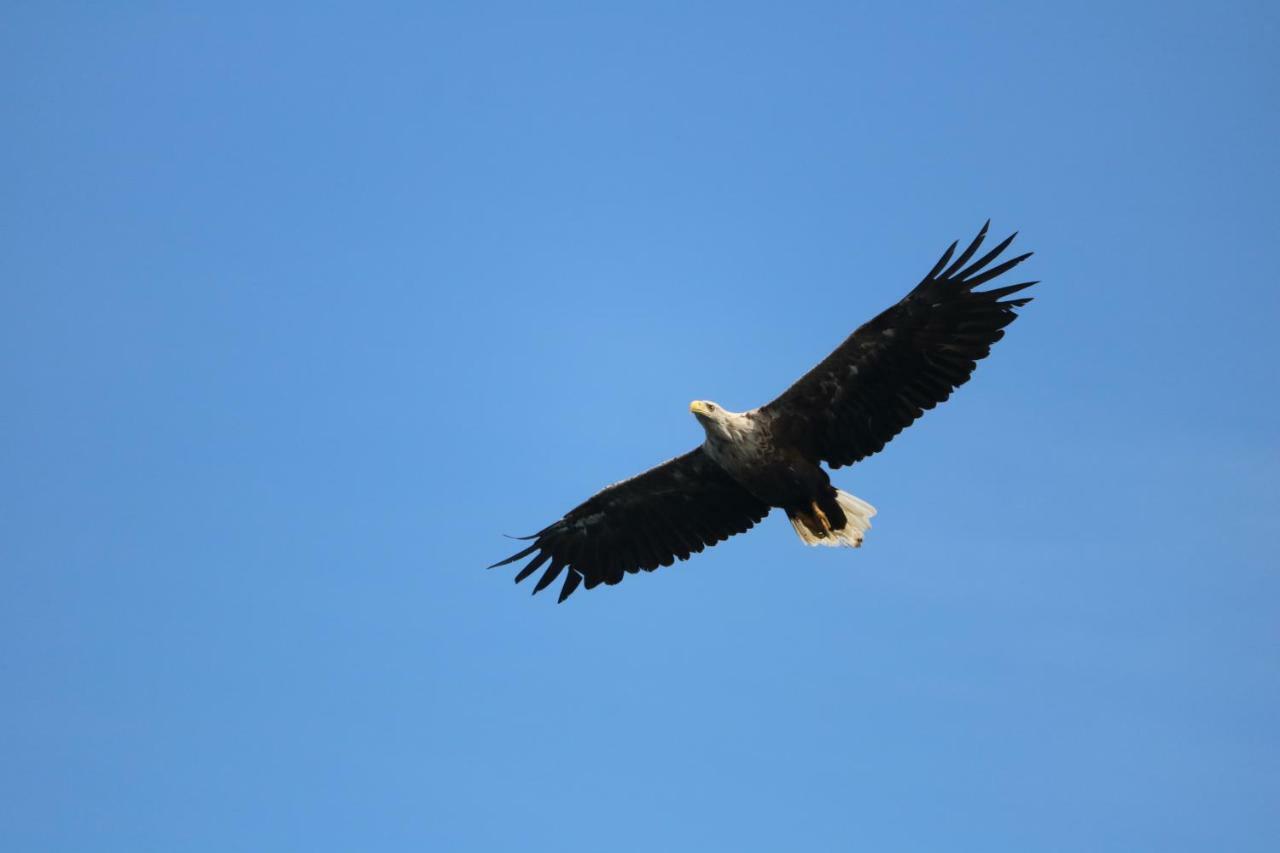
(814, 527)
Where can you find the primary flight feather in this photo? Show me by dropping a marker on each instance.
(875, 384)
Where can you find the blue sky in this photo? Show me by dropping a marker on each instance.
(304, 306)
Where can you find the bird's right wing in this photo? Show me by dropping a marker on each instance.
(650, 520)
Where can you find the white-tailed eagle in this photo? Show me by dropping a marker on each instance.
(884, 376)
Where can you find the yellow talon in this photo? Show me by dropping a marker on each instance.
(822, 517)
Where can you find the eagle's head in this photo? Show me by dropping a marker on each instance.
(707, 412)
(719, 422)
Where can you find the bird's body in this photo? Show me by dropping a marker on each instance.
(904, 361)
(777, 474)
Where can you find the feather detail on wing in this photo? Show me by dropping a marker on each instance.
(650, 520)
(905, 361)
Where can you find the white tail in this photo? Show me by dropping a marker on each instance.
(858, 514)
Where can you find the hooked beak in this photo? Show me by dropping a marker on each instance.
(699, 407)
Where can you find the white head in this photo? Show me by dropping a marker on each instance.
(719, 422)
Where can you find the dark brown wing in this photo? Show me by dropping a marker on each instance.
(908, 359)
(650, 520)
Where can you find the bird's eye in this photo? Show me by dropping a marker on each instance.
(711, 406)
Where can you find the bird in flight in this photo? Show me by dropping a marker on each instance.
(875, 384)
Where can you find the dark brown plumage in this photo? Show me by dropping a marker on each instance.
(900, 364)
(650, 520)
(885, 375)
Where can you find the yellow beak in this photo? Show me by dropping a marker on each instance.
(699, 407)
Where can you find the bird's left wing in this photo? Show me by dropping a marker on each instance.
(904, 361)
(650, 520)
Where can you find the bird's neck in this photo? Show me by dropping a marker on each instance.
(732, 427)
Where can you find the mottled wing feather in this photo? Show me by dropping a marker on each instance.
(905, 361)
(665, 514)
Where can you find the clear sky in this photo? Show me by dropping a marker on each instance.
(302, 307)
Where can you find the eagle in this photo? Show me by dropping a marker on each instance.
(886, 374)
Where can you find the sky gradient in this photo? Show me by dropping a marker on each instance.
(301, 308)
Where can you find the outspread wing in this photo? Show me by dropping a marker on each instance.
(650, 520)
(906, 360)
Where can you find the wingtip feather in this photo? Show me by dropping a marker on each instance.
(532, 566)
(942, 261)
(1000, 269)
(570, 584)
(1001, 292)
(526, 552)
(552, 572)
(981, 262)
(968, 253)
